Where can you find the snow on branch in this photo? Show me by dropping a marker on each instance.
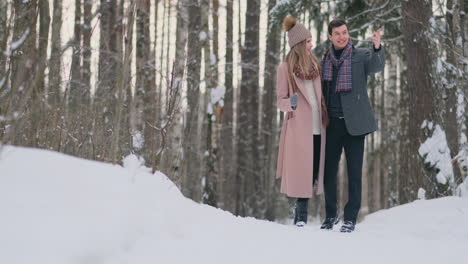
(282, 9)
(436, 153)
(378, 18)
(370, 10)
(16, 44)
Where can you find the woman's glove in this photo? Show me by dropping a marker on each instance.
(293, 100)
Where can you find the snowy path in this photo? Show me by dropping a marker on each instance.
(59, 209)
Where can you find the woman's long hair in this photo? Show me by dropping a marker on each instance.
(298, 58)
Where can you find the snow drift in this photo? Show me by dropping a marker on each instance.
(60, 209)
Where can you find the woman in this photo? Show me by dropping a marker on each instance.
(302, 142)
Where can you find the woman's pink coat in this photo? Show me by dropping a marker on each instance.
(296, 145)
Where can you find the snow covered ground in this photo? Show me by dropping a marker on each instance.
(60, 209)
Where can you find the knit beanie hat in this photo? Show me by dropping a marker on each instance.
(296, 31)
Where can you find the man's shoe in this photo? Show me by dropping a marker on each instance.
(300, 224)
(347, 227)
(330, 222)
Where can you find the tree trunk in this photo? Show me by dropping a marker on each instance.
(54, 94)
(3, 41)
(227, 168)
(145, 83)
(39, 123)
(44, 12)
(454, 49)
(208, 160)
(121, 137)
(54, 91)
(252, 197)
(391, 136)
(105, 100)
(87, 31)
(75, 93)
(169, 34)
(170, 138)
(126, 142)
(4, 83)
(269, 130)
(215, 16)
(420, 92)
(23, 58)
(163, 45)
(464, 128)
(191, 183)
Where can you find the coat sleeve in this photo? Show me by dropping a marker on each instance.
(282, 89)
(376, 61)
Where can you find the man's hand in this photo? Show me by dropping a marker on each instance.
(376, 38)
(293, 100)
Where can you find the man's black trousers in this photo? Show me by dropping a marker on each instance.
(338, 139)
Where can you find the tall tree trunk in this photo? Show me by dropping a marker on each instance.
(44, 12)
(269, 124)
(158, 133)
(121, 137)
(227, 159)
(464, 128)
(208, 160)
(371, 156)
(3, 41)
(75, 93)
(86, 51)
(249, 170)
(167, 162)
(4, 83)
(163, 45)
(79, 108)
(54, 94)
(213, 162)
(125, 142)
(191, 184)
(39, 124)
(145, 83)
(391, 136)
(119, 133)
(384, 141)
(416, 15)
(215, 17)
(105, 101)
(23, 69)
(403, 194)
(168, 34)
(169, 137)
(157, 104)
(452, 89)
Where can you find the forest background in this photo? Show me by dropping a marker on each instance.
(189, 86)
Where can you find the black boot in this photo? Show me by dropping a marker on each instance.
(300, 211)
(348, 226)
(330, 222)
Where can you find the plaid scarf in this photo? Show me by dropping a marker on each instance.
(343, 83)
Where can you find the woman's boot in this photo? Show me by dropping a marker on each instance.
(300, 211)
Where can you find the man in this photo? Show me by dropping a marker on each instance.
(344, 72)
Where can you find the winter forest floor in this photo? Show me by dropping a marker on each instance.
(60, 209)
